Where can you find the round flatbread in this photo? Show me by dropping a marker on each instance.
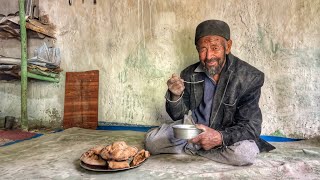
(91, 158)
(141, 156)
(118, 164)
(118, 151)
(97, 149)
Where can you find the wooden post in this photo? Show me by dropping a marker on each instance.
(24, 78)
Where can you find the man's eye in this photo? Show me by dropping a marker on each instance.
(215, 48)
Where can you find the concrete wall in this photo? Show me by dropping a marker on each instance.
(137, 44)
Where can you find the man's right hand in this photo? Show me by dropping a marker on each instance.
(175, 86)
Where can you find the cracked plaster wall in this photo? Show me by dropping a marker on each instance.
(137, 44)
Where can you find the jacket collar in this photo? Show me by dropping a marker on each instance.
(229, 64)
(200, 68)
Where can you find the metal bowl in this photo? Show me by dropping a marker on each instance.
(184, 131)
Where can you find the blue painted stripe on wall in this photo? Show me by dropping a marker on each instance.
(126, 128)
(146, 128)
(278, 139)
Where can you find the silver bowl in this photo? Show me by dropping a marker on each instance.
(184, 131)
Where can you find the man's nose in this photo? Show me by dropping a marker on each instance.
(209, 54)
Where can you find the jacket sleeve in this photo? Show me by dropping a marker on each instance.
(248, 117)
(177, 109)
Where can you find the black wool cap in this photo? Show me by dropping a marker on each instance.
(212, 27)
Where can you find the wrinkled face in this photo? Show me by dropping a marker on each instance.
(212, 52)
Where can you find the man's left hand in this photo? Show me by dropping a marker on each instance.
(208, 139)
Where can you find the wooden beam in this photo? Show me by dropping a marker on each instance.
(34, 25)
(41, 28)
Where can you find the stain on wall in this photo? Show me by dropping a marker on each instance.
(138, 44)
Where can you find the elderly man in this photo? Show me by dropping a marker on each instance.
(223, 94)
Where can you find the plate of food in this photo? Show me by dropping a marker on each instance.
(115, 157)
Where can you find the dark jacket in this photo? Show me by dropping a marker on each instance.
(235, 110)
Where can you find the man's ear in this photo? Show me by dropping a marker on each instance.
(228, 48)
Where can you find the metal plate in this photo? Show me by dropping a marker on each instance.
(105, 168)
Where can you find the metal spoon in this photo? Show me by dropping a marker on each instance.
(195, 82)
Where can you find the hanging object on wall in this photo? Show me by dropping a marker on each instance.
(81, 100)
(32, 8)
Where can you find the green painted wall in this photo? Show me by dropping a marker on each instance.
(137, 44)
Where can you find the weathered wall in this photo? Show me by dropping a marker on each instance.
(138, 44)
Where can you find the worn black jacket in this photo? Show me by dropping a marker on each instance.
(235, 110)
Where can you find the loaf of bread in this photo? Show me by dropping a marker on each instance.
(91, 158)
(141, 156)
(118, 155)
(118, 151)
(118, 164)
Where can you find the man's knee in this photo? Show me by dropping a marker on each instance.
(244, 152)
(161, 140)
(150, 141)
